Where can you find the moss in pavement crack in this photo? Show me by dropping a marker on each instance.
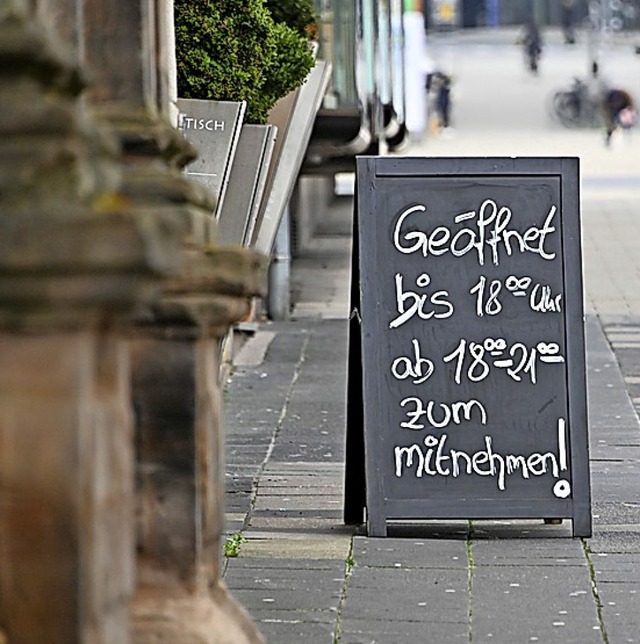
(349, 564)
(470, 571)
(594, 591)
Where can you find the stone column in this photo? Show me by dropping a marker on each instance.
(181, 476)
(179, 435)
(75, 262)
(64, 20)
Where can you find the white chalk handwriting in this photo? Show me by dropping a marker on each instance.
(419, 369)
(455, 413)
(541, 298)
(425, 305)
(516, 360)
(435, 458)
(476, 360)
(488, 235)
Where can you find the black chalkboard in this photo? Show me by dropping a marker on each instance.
(467, 385)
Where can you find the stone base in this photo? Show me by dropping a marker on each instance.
(66, 488)
(212, 618)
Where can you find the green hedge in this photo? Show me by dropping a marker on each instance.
(233, 50)
(297, 14)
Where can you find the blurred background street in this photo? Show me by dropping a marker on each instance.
(500, 108)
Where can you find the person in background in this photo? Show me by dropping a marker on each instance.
(618, 110)
(438, 84)
(531, 40)
(568, 8)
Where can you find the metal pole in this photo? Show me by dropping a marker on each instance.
(278, 301)
(597, 26)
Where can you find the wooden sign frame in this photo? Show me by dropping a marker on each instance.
(467, 380)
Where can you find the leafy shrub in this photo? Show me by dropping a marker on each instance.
(233, 50)
(297, 14)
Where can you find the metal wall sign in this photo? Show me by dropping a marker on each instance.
(472, 370)
(213, 127)
(247, 181)
(294, 116)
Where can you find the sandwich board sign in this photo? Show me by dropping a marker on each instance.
(467, 383)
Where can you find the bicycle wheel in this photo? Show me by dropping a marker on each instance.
(565, 108)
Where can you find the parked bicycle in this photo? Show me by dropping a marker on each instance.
(576, 106)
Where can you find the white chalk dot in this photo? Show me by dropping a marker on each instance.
(562, 489)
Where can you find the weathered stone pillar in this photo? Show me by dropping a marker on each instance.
(179, 435)
(74, 263)
(64, 19)
(181, 597)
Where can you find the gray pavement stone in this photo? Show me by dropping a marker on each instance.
(617, 567)
(284, 563)
(312, 513)
(411, 605)
(303, 525)
(278, 544)
(622, 629)
(618, 540)
(510, 577)
(300, 599)
(392, 631)
(611, 515)
(295, 628)
(415, 553)
(289, 598)
(416, 585)
(331, 574)
(555, 553)
(521, 533)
